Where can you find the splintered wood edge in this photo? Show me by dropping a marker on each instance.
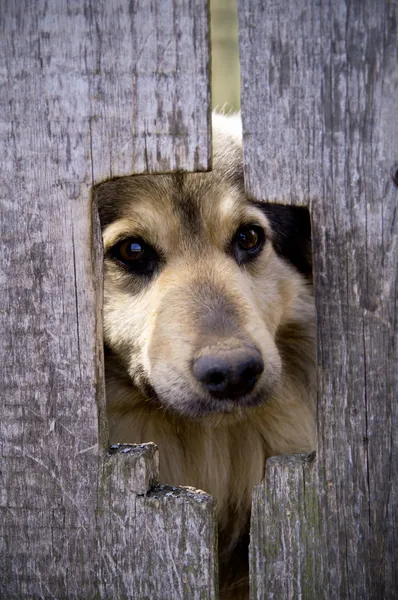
(184, 493)
(132, 467)
(154, 541)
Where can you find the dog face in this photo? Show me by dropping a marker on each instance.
(199, 282)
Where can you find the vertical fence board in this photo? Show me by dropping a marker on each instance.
(356, 257)
(147, 66)
(285, 518)
(49, 429)
(281, 74)
(319, 98)
(74, 79)
(156, 545)
(190, 565)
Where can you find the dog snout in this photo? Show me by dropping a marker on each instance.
(229, 374)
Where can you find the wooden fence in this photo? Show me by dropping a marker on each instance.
(92, 90)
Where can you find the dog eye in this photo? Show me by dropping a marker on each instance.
(248, 238)
(137, 256)
(130, 250)
(248, 242)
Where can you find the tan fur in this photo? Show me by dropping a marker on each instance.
(154, 330)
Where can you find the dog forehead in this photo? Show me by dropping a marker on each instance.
(187, 205)
(194, 201)
(204, 203)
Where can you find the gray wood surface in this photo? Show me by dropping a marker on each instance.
(285, 531)
(147, 67)
(85, 90)
(159, 544)
(319, 107)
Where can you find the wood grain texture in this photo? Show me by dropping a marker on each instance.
(319, 100)
(48, 320)
(159, 545)
(285, 531)
(281, 75)
(71, 77)
(147, 81)
(186, 557)
(131, 468)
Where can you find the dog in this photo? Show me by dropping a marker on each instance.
(209, 331)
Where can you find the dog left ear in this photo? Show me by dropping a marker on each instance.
(292, 234)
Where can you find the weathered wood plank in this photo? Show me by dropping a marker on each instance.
(281, 75)
(319, 98)
(356, 256)
(190, 565)
(48, 319)
(71, 90)
(131, 468)
(159, 545)
(147, 66)
(285, 531)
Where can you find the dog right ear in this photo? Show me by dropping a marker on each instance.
(292, 234)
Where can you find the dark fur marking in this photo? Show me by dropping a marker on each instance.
(108, 208)
(237, 178)
(189, 215)
(186, 206)
(292, 228)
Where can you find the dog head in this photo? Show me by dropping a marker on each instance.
(199, 282)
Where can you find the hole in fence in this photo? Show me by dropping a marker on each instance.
(198, 280)
(185, 295)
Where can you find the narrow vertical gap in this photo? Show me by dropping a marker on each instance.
(225, 79)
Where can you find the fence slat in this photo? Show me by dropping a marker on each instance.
(285, 522)
(157, 545)
(281, 71)
(319, 93)
(149, 89)
(76, 77)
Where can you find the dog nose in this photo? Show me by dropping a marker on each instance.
(229, 374)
